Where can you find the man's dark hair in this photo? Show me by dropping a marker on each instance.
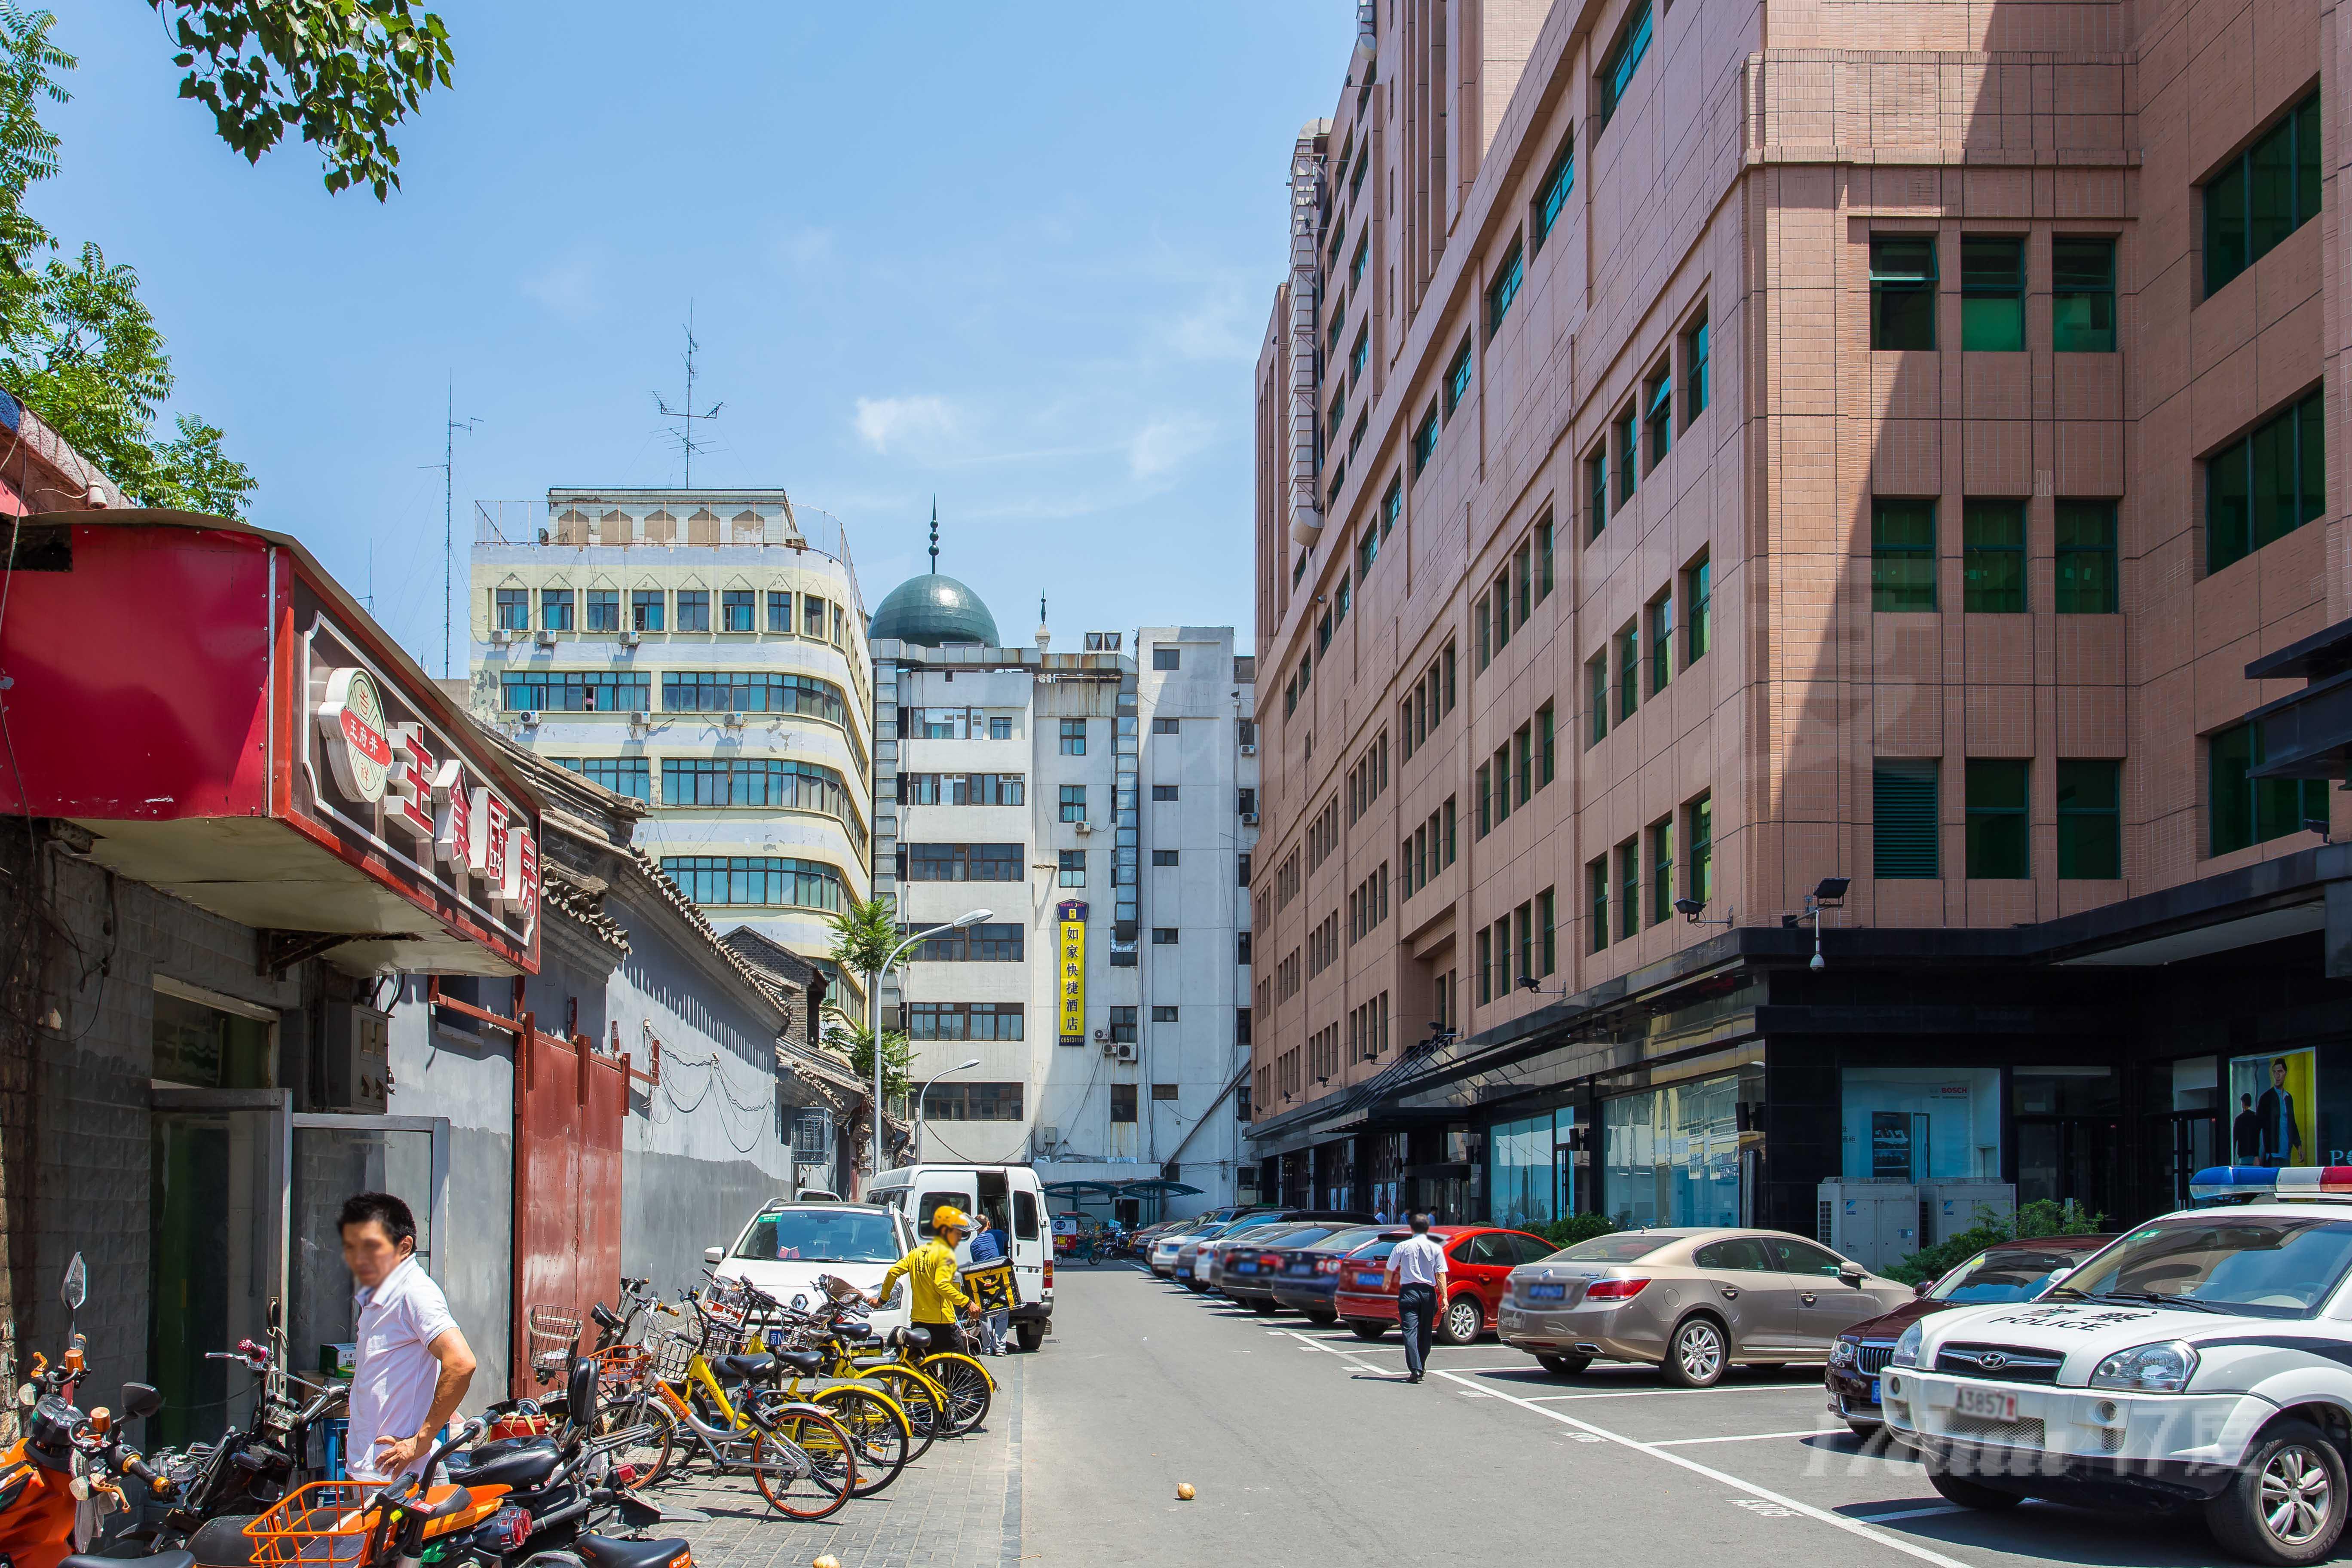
(2247, 1101)
(1420, 1224)
(385, 1210)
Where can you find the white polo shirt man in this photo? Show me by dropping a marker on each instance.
(396, 1370)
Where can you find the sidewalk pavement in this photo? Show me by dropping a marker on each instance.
(959, 1506)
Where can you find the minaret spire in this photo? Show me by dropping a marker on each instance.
(935, 536)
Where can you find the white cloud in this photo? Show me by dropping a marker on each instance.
(1218, 328)
(925, 427)
(806, 247)
(568, 288)
(1166, 444)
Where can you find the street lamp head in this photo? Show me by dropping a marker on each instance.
(971, 917)
(967, 1067)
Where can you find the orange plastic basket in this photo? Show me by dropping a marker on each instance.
(622, 1363)
(324, 1522)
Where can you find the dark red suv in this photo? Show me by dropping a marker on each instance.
(1478, 1263)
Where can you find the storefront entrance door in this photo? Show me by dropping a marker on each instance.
(2071, 1159)
(215, 1250)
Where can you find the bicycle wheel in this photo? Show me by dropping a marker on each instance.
(879, 1430)
(644, 1457)
(817, 1443)
(922, 1400)
(968, 1386)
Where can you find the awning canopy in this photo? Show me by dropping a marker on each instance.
(1153, 1187)
(1081, 1189)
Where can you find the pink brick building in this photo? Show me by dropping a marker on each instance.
(1709, 449)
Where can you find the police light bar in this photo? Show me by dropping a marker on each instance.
(2286, 1181)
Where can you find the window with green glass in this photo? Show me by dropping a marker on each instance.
(2090, 580)
(2266, 486)
(1625, 456)
(1482, 786)
(1544, 564)
(1998, 832)
(1628, 664)
(1699, 835)
(2090, 820)
(1694, 371)
(2243, 810)
(1661, 614)
(1596, 884)
(1699, 593)
(1596, 480)
(1505, 288)
(1903, 291)
(1596, 686)
(1902, 555)
(2262, 195)
(1992, 292)
(1903, 817)
(2083, 294)
(1662, 870)
(1623, 59)
(1658, 416)
(1992, 557)
(1424, 441)
(1629, 889)
(1392, 507)
(1358, 354)
(1363, 248)
(1551, 197)
(1457, 378)
(1546, 746)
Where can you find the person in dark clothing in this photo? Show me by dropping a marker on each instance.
(2246, 1132)
(2276, 1112)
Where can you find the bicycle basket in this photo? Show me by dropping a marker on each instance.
(622, 1363)
(554, 1335)
(671, 1353)
(321, 1525)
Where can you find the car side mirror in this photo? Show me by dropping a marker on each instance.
(2055, 1278)
(714, 1255)
(1921, 1288)
(1851, 1273)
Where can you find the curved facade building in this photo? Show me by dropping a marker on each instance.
(703, 651)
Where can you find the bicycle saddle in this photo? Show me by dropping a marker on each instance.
(743, 1368)
(159, 1560)
(610, 1552)
(854, 1330)
(520, 1463)
(808, 1363)
(914, 1339)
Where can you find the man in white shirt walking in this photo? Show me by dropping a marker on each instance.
(1416, 1271)
(413, 1364)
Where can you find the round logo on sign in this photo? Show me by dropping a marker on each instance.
(352, 734)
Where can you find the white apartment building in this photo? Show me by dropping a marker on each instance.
(1111, 794)
(702, 650)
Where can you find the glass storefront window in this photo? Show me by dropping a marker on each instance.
(1672, 1154)
(1919, 1124)
(1520, 1156)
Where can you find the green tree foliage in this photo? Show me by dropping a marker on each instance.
(1572, 1228)
(76, 341)
(864, 934)
(2039, 1217)
(847, 1035)
(342, 72)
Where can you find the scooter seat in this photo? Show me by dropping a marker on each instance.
(611, 1552)
(158, 1560)
(520, 1464)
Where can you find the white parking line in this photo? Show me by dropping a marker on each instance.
(1836, 1521)
(1746, 1437)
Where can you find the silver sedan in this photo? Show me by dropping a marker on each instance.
(1692, 1302)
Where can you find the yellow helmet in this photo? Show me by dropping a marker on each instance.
(947, 1216)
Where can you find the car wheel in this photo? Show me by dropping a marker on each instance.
(1322, 1319)
(1364, 1330)
(1698, 1354)
(1969, 1493)
(2285, 1505)
(1265, 1306)
(1031, 1336)
(1564, 1365)
(1462, 1323)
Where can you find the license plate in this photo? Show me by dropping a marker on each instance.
(1368, 1281)
(1547, 1292)
(1244, 1268)
(1988, 1404)
(1874, 1393)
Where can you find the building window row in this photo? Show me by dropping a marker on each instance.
(1323, 945)
(1426, 706)
(973, 1101)
(1520, 949)
(1368, 1029)
(1509, 601)
(1428, 848)
(2262, 195)
(1905, 552)
(752, 691)
(2265, 485)
(764, 880)
(1323, 1054)
(1368, 906)
(1072, 867)
(1614, 882)
(998, 942)
(965, 1020)
(961, 863)
(963, 789)
(1648, 644)
(1904, 286)
(1641, 435)
(1288, 880)
(682, 609)
(1287, 979)
(770, 782)
(953, 724)
(1906, 819)
(1520, 766)
(1368, 777)
(1377, 531)
(1323, 834)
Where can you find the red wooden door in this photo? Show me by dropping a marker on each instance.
(571, 1106)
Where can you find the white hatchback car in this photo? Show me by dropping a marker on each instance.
(2203, 1360)
(787, 1244)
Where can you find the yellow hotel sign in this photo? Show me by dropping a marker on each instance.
(1070, 975)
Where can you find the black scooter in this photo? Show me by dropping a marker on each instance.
(557, 1483)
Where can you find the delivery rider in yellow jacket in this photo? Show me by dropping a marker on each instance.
(930, 1271)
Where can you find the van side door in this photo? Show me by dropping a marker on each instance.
(1030, 1243)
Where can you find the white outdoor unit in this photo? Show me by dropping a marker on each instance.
(1947, 1208)
(357, 1057)
(1873, 1223)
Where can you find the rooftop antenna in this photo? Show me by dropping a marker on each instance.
(684, 413)
(447, 465)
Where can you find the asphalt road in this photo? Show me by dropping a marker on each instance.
(1306, 1446)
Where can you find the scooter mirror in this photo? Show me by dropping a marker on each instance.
(799, 1302)
(28, 1395)
(77, 1284)
(141, 1400)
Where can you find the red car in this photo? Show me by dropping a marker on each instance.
(1478, 1263)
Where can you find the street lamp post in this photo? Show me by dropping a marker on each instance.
(874, 1010)
(959, 1066)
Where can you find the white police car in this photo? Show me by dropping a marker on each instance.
(2204, 1361)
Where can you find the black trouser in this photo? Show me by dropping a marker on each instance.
(945, 1337)
(1417, 1316)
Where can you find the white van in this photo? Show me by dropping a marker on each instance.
(1010, 1193)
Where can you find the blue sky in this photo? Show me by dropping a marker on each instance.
(1017, 256)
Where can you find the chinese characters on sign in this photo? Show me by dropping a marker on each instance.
(1070, 970)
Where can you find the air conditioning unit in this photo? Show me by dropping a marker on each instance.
(546, 640)
(630, 639)
(640, 722)
(1084, 826)
(734, 720)
(500, 635)
(530, 718)
(1876, 1222)
(1126, 1052)
(1249, 819)
(357, 1058)
(1047, 1136)
(1249, 748)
